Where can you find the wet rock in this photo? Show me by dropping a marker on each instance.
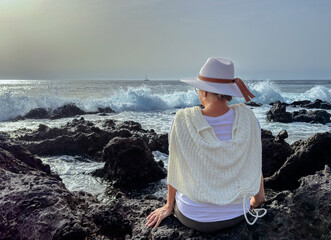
(277, 113)
(105, 110)
(68, 110)
(38, 113)
(130, 125)
(4, 136)
(318, 116)
(43, 133)
(308, 156)
(129, 163)
(282, 103)
(282, 135)
(158, 142)
(78, 137)
(253, 104)
(81, 137)
(275, 151)
(18, 118)
(300, 103)
(318, 103)
(109, 123)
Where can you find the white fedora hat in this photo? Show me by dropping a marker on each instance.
(217, 76)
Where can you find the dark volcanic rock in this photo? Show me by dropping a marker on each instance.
(109, 123)
(20, 158)
(105, 110)
(130, 125)
(68, 110)
(275, 151)
(300, 103)
(130, 163)
(304, 213)
(35, 204)
(84, 137)
(282, 135)
(77, 137)
(277, 113)
(309, 156)
(4, 136)
(253, 104)
(316, 104)
(38, 113)
(43, 133)
(318, 116)
(158, 142)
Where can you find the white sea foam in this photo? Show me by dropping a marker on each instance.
(14, 105)
(266, 92)
(76, 173)
(142, 98)
(317, 92)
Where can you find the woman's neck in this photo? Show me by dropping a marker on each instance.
(216, 109)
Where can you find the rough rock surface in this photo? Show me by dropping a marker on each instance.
(253, 104)
(318, 103)
(309, 156)
(38, 113)
(81, 137)
(291, 215)
(67, 110)
(277, 113)
(275, 151)
(130, 163)
(34, 204)
(304, 213)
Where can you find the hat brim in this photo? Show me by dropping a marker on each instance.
(230, 89)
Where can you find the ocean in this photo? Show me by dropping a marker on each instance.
(151, 103)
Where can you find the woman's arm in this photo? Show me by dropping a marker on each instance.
(161, 213)
(259, 198)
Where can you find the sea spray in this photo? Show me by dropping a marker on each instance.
(145, 97)
(12, 105)
(317, 92)
(266, 92)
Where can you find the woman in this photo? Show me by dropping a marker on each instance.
(215, 156)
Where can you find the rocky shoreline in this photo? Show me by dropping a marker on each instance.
(35, 204)
(278, 113)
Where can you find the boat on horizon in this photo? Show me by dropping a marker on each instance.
(146, 78)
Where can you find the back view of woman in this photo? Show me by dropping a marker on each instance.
(215, 156)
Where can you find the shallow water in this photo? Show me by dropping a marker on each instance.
(76, 173)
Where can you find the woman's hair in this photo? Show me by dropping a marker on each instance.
(221, 97)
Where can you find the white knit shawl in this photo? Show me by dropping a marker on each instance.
(208, 170)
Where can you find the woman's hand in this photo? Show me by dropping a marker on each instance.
(256, 201)
(259, 198)
(158, 215)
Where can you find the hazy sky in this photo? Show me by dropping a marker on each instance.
(168, 39)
